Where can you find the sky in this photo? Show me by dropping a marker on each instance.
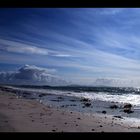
(80, 44)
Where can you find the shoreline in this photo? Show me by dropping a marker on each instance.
(26, 115)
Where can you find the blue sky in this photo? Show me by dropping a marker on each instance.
(81, 44)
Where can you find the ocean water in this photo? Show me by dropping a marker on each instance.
(69, 98)
(108, 94)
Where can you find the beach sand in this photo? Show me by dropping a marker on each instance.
(25, 115)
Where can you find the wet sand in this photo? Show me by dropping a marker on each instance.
(25, 115)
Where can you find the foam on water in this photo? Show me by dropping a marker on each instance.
(103, 96)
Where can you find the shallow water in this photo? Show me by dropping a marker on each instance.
(100, 101)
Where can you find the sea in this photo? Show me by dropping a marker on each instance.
(97, 99)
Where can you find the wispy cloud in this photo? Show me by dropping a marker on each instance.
(17, 47)
(84, 43)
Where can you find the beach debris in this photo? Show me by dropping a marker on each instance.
(92, 129)
(138, 127)
(104, 112)
(101, 126)
(113, 106)
(118, 117)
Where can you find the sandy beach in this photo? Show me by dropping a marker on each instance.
(26, 115)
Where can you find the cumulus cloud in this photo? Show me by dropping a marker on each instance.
(33, 75)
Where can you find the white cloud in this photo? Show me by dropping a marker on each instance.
(62, 55)
(17, 47)
(32, 75)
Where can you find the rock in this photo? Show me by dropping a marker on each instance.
(104, 112)
(128, 105)
(128, 110)
(79, 118)
(87, 104)
(85, 100)
(118, 117)
(61, 98)
(73, 105)
(41, 95)
(113, 106)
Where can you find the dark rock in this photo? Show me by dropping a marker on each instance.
(118, 117)
(113, 106)
(73, 105)
(85, 100)
(127, 105)
(79, 118)
(101, 126)
(104, 112)
(87, 104)
(61, 98)
(55, 100)
(128, 110)
(41, 95)
(26, 93)
(92, 129)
